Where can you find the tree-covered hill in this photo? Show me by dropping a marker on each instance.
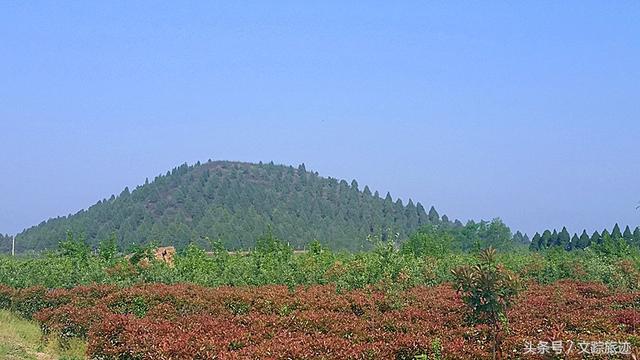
(237, 202)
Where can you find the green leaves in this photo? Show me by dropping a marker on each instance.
(107, 249)
(487, 289)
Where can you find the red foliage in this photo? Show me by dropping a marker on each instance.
(272, 322)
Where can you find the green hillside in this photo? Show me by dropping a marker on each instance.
(236, 202)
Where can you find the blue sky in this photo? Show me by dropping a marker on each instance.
(528, 111)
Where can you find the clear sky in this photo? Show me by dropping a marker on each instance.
(528, 111)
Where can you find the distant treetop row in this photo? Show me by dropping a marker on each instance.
(614, 239)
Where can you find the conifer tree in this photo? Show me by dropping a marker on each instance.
(564, 239)
(434, 217)
(354, 185)
(545, 240)
(584, 240)
(553, 240)
(628, 235)
(616, 233)
(388, 197)
(518, 238)
(575, 241)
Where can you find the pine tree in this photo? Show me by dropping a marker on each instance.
(575, 241)
(354, 185)
(616, 233)
(564, 239)
(545, 240)
(411, 215)
(423, 217)
(596, 238)
(434, 217)
(636, 236)
(518, 238)
(628, 235)
(584, 241)
(388, 197)
(553, 240)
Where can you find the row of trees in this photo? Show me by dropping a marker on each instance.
(563, 239)
(442, 238)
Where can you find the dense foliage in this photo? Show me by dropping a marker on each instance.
(426, 259)
(236, 202)
(440, 238)
(5, 243)
(274, 322)
(614, 242)
(390, 302)
(488, 289)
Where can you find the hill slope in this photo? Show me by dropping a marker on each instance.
(236, 202)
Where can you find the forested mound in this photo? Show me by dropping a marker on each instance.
(237, 202)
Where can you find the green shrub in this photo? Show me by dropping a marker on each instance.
(487, 289)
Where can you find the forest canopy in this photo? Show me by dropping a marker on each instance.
(235, 203)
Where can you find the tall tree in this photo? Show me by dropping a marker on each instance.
(616, 233)
(518, 238)
(628, 235)
(564, 239)
(434, 217)
(535, 242)
(575, 241)
(545, 240)
(584, 240)
(553, 241)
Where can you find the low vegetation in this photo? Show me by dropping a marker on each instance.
(154, 321)
(427, 258)
(430, 297)
(21, 339)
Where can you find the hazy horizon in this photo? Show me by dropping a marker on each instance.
(527, 112)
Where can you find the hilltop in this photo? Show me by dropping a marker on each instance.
(236, 202)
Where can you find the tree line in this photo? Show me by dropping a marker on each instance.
(616, 239)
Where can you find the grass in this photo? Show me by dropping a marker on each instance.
(22, 340)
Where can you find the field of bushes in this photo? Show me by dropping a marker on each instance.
(271, 303)
(421, 261)
(155, 321)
